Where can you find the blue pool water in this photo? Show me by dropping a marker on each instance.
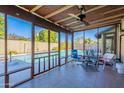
(27, 57)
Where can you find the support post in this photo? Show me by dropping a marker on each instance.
(49, 49)
(72, 40)
(66, 58)
(6, 80)
(116, 39)
(32, 51)
(97, 44)
(59, 49)
(84, 44)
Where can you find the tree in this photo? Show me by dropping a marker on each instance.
(43, 36)
(37, 37)
(79, 40)
(69, 45)
(12, 36)
(52, 37)
(63, 46)
(2, 26)
(22, 38)
(88, 41)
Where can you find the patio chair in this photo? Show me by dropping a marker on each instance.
(85, 56)
(108, 58)
(74, 55)
(91, 59)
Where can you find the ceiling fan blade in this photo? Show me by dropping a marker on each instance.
(84, 8)
(74, 16)
(79, 6)
(85, 22)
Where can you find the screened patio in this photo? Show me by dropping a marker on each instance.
(36, 44)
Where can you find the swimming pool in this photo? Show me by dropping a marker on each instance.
(27, 57)
(24, 60)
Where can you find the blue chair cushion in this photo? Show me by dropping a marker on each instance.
(74, 53)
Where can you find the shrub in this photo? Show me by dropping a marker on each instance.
(12, 52)
(54, 48)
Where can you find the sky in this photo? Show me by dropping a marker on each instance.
(18, 26)
(23, 28)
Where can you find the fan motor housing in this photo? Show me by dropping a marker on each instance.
(82, 16)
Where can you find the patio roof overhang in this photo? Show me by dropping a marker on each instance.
(96, 15)
(17, 12)
(55, 17)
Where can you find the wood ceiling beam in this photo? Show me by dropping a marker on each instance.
(78, 26)
(112, 17)
(93, 22)
(100, 20)
(50, 21)
(36, 8)
(74, 22)
(114, 10)
(95, 8)
(64, 19)
(102, 25)
(40, 16)
(83, 24)
(90, 10)
(22, 8)
(20, 13)
(71, 23)
(58, 11)
(110, 22)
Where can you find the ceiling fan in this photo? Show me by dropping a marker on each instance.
(81, 16)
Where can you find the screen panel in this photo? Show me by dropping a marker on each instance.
(2, 48)
(19, 38)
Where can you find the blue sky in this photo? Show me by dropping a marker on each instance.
(18, 26)
(23, 28)
(62, 36)
(38, 29)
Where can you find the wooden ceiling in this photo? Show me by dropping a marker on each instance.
(96, 15)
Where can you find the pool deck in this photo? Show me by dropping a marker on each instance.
(74, 75)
